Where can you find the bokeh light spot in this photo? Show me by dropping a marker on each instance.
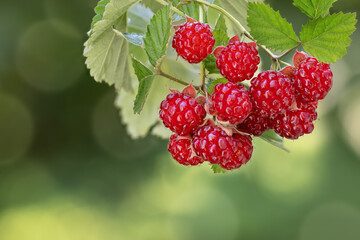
(179, 203)
(332, 222)
(16, 128)
(293, 174)
(112, 136)
(57, 219)
(342, 74)
(49, 56)
(350, 115)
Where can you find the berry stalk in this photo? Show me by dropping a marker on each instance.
(285, 63)
(202, 68)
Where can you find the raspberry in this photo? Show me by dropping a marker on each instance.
(313, 80)
(212, 144)
(271, 93)
(181, 113)
(255, 124)
(242, 150)
(231, 102)
(238, 61)
(193, 41)
(181, 150)
(295, 123)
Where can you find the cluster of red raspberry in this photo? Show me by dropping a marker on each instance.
(285, 101)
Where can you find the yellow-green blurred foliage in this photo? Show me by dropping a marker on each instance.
(69, 171)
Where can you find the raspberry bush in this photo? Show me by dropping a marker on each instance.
(230, 95)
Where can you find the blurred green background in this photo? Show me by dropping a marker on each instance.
(69, 171)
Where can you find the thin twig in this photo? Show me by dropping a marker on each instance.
(202, 67)
(161, 73)
(201, 14)
(202, 77)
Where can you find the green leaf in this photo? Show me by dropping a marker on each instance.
(327, 38)
(107, 56)
(217, 168)
(158, 35)
(143, 92)
(114, 12)
(145, 77)
(99, 11)
(220, 32)
(269, 28)
(107, 53)
(139, 125)
(214, 82)
(314, 8)
(141, 71)
(274, 139)
(139, 18)
(136, 39)
(190, 9)
(161, 131)
(153, 5)
(210, 64)
(237, 8)
(221, 39)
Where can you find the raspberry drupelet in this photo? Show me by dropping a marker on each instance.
(238, 61)
(212, 144)
(271, 93)
(296, 122)
(313, 80)
(242, 149)
(255, 124)
(182, 151)
(181, 113)
(231, 102)
(193, 41)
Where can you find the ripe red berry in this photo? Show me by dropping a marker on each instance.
(231, 102)
(181, 150)
(271, 93)
(193, 41)
(242, 150)
(212, 144)
(295, 123)
(313, 80)
(238, 61)
(181, 113)
(255, 124)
